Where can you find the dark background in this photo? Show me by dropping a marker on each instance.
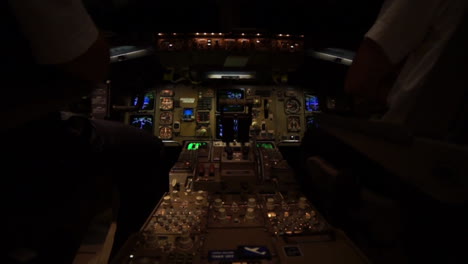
(338, 23)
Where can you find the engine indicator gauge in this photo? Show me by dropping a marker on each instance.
(166, 118)
(294, 124)
(167, 103)
(165, 132)
(292, 106)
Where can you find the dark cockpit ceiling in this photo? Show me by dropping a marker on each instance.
(325, 23)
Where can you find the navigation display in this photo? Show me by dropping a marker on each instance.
(311, 103)
(230, 94)
(148, 101)
(144, 122)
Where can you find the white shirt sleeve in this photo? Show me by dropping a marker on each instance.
(402, 25)
(58, 30)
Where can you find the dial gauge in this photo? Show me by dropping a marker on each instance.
(167, 103)
(292, 106)
(165, 132)
(294, 124)
(165, 118)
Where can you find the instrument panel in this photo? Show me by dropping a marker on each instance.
(205, 218)
(279, 113)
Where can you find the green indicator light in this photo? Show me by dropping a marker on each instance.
(265, 145)
(195, 145)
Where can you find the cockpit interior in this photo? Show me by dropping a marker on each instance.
(225, 135)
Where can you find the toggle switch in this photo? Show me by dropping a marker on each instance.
(201, 170)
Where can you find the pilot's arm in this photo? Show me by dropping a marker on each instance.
(399, 29)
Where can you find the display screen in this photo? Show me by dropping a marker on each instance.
(310, 122)
(266, 145)
(196, 145)
(311, 103)
(144, 122)
(148, 101)
(220, 130)
(230, 94)
(188, 114)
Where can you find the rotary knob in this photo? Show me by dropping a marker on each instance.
(218, 203)
(222, 213)
(199, 200)
(250, 215)
(251, 203)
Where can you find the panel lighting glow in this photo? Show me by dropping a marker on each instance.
(196, 145)
(230, 75)
(265, 145)
(311, 103)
